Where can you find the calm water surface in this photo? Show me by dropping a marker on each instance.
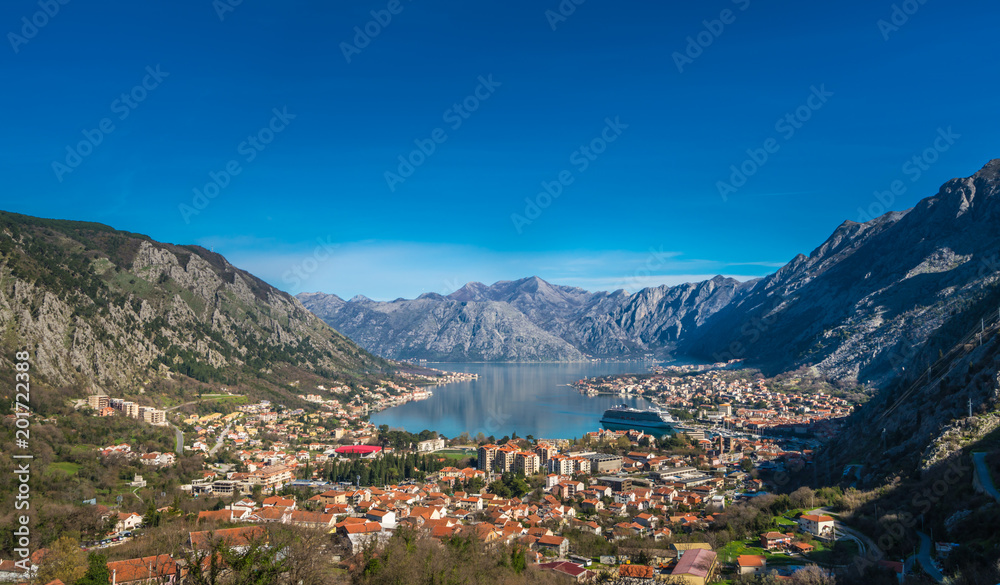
(529, 399)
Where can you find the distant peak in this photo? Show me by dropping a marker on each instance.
(470, 292)
(531, 282)
(359, 299)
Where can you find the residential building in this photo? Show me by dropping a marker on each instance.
(557, 544)
(158, 570)
(817, 524)
(128, 521)
(560, 465)
(696, 567)
(430, 445)
(98, 401)
(751, 564)
(526, 462)
(772, 540)
(602, 463)
(485, 457)
(545, 452)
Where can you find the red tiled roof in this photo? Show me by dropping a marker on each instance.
(750, 561)
(144, 568)
(231, 536)
(565, 567)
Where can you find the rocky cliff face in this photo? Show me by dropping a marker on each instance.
(114, 308)
(435, 328)
(865, 302)
(525, 320)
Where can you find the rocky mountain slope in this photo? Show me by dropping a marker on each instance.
(438, 329)
(526, 320)
(860, 306)
(865, 302)
(112, 309)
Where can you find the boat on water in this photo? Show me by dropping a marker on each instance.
(648, 420)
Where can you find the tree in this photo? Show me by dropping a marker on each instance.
(64, 561)
(812, 575)
(152, 517)
(802, 497)
(97, 572)
(499, 488)
(746, 465)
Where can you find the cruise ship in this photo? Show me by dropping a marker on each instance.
(623, 418)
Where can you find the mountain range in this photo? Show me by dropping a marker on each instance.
(526, 320)
(112, 310)
(860, 306)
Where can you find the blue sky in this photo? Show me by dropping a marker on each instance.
(261, 109)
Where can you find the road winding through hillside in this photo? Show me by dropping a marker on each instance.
(924, 557)
(985, 477)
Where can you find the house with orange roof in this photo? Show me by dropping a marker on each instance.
(330, 497)
(444, 530)
(311, 519)
(356, 535)
(279, 502)
(647, 520)
(557, 544)
(232, 537)
(272, 514)
(817, 524)
(224, 515)
(751, 564)
(127, 521)
(772, 540)
(587, 526)
(386, 518)
(155, 569)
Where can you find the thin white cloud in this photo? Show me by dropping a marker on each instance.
(389, 270)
